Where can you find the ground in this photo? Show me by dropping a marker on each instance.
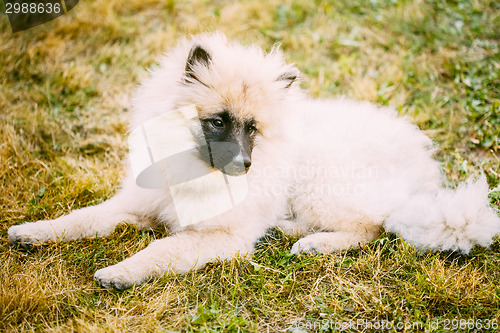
(64, 89)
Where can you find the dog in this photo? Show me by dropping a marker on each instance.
(334, 172)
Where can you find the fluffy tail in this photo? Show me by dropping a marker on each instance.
(449, 220)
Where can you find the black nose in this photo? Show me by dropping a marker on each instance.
(245, 158)
(247, 163)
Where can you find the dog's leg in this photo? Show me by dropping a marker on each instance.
(178, 254)
(326, 242)
(293, 228)
(130, 205)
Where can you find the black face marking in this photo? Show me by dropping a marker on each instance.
(230, 143)
(197, 55)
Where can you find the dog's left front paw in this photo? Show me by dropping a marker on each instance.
(116, 277)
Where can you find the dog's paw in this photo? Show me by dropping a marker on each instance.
(117, 277)
(25, 235)
(305, 245)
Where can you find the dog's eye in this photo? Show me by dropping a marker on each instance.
(252, 128)
(217, 123)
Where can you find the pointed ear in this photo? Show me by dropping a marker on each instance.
(197, 55)
(289, 77)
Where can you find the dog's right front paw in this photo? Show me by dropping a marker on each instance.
(25, 235)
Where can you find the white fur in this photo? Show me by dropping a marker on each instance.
(447, 219)
(335, 171)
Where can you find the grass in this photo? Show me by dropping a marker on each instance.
(64, 90)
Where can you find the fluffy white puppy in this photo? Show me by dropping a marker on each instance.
(334, 171)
